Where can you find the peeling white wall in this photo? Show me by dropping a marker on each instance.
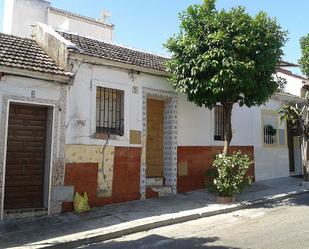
(82, 101)
(22, 86)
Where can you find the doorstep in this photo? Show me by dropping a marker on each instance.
(24, 213)
(154, 181)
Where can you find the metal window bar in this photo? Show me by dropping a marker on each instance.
(110, 111)
(268, 138)
(219, 123)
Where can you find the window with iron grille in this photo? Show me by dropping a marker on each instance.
(274, 131)
(219, 123)
(110, 111)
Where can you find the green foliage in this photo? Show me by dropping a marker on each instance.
(231, 173)
(270, 130)
(225, 56)
(212, 174)
(304, 61)
(295, 116)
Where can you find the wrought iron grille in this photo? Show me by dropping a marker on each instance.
(110, 111)
(270, 134)
(219, 123)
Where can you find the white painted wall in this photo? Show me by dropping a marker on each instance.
(79, 26)
(271, 163)
(294, 84)
(7, 16)
(195, 125)
(20, 15)
(22, 86)
(82, 102)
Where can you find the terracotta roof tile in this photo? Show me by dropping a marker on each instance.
(24, 53)
(113, 52)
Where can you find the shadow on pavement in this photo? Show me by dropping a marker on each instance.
(37, 230)
(160, 242)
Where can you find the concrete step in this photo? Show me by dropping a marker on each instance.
(156, 181)
(162, 190)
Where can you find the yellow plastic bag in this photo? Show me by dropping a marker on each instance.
(80, 203)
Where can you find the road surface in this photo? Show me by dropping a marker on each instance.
(283, 225)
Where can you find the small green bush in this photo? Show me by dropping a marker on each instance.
(231, 175)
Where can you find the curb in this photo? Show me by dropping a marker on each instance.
(172, 221)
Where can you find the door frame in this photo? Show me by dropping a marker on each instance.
(52, 107)
(170, 137)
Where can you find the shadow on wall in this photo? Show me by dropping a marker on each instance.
(160, 242)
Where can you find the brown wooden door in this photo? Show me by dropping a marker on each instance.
(154, 151)
(24, 177)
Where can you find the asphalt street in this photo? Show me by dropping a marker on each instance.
(281, 225)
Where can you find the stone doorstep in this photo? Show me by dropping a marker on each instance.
(162, 190)
(156, 181)
(113, 232)
(24, 213)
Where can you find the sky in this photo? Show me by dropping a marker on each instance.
(147, 24)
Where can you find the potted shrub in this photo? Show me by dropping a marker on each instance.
(231, 175)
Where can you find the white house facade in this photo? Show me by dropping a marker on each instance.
(32, 127)
(113, 126)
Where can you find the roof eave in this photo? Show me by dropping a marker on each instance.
(287, 64)
(117, 64)
(64, 79)
(80, 17)
(291, 74)
(288, 98)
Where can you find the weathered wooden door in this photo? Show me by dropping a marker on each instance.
(24, 177)
(154, 151)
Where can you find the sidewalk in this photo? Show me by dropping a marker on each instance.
(71, 230)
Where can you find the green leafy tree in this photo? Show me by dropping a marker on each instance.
(225, 57)
(304, 61)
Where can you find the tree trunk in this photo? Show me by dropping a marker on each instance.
(227, 110)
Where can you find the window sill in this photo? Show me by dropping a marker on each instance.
(105, 136)
(274, 146)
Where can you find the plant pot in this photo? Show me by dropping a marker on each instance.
(225, 199)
